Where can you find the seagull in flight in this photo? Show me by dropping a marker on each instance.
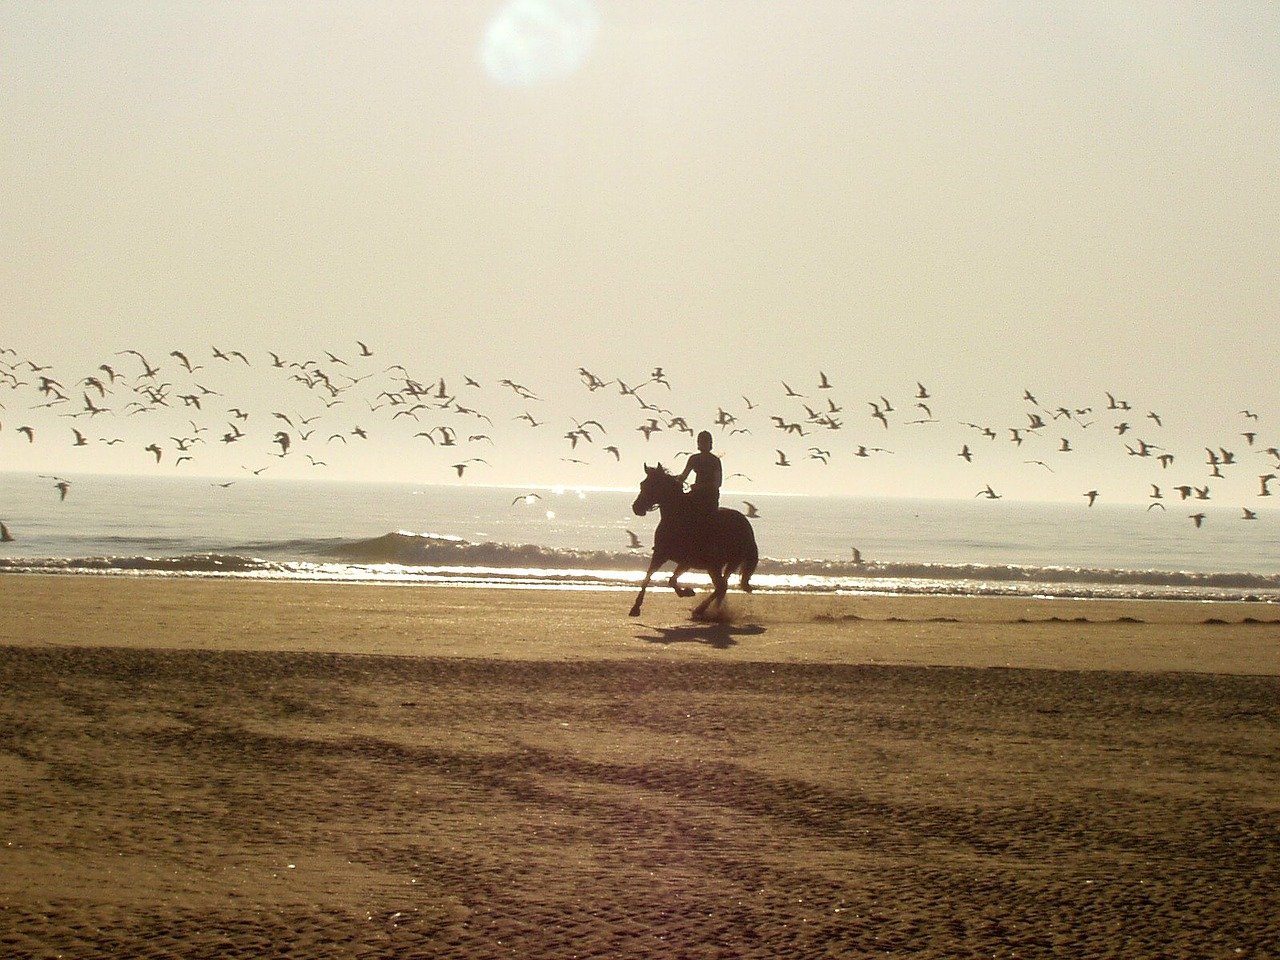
(752, 513)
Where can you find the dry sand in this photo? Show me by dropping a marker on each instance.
(203, 768)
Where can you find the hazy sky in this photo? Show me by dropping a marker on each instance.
(1070, 197)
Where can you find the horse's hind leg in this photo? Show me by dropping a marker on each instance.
(680, 591)
(720, 584)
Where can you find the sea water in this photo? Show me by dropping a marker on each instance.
(579, 538)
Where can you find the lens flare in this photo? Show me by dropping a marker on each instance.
(534, 41)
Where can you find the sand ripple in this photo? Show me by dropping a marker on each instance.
(196, 804)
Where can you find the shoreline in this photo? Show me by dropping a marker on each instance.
(554, 624)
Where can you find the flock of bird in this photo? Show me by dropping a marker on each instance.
(307, 410)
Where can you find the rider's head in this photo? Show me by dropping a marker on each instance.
(704, 441)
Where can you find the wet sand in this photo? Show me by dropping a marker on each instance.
(204, 768)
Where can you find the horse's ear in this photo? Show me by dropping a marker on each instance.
(659, 469)
(647, 471)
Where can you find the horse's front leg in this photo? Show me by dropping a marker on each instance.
(654, 564)
(680, 591)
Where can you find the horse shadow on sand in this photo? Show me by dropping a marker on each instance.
(718, 636)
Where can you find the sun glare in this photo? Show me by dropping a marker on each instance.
(534, 41)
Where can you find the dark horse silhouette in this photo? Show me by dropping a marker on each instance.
(725, 545)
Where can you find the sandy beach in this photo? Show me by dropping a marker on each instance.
(200, 768)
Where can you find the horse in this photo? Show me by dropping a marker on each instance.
(728, 545)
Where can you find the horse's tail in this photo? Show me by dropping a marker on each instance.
(749, 561)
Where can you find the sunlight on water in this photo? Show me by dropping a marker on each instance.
(479, 536)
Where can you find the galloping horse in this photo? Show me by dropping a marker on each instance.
(725, 545)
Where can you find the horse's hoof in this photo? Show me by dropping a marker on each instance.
(686, 592)
(635, 612)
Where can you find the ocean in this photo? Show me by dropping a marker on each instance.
(578, 539)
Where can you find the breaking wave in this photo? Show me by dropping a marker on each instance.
(429, 558)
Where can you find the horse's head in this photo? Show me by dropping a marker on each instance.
(655, 489)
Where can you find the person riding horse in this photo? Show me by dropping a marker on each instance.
(704, 495)
(696, 535)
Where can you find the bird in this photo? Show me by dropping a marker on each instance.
(1092, 496)
(782, 460)
(524, 498)
(154, 448)
(752, 513)
(965, 454)
(634, 541)
(148, 371)
(988, 493)
(460, 467)
(1249, 514)
(5, 535)
(1198, 518)
(182, 358)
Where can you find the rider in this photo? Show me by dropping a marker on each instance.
(704, 495)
